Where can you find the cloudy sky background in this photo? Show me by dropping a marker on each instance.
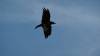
(76, 33)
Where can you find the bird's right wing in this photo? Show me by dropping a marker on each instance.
(45, 15)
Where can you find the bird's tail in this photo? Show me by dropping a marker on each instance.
(38, 26)
(52, 22)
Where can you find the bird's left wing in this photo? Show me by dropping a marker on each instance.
(47, 31)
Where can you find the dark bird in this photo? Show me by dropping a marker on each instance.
(46, 23)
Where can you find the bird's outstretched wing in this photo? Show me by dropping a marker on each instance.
(45, 15)
(47, 30)
(46, 22)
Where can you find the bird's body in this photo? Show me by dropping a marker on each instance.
(46, 23)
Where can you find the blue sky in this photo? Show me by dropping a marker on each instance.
(76, 32)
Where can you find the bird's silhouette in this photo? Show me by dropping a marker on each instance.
(46, 23)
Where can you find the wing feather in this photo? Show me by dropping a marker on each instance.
(45, 15)
(47, 31)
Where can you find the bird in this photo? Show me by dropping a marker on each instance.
(46, 23)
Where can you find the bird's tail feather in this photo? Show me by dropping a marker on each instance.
(52, 22)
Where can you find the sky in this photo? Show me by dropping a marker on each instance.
(76, 32)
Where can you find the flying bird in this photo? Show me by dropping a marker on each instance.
(46, 23)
